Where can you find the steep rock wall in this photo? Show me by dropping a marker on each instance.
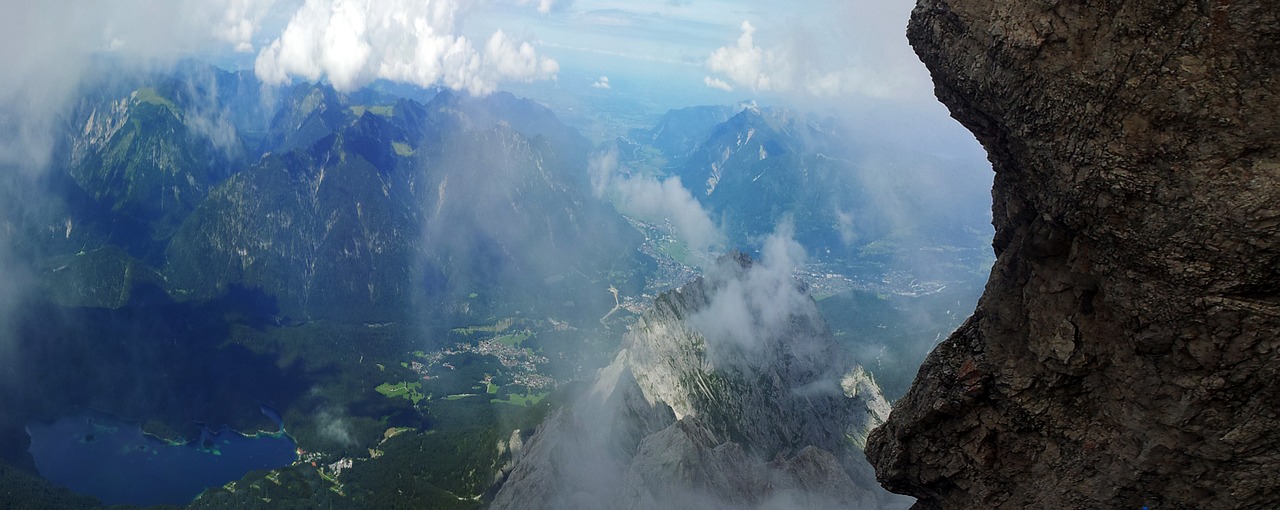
(1125, 353)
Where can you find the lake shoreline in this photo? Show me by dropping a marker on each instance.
(99, 454)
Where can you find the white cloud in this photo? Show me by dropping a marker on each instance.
(602, 83)
(46, 48)
(743, 63)
(845, 227)
(650, 199)
(353, 43)
(546, 6)
(746, 313)
(840, 55)
(717, 83)
(240, 21)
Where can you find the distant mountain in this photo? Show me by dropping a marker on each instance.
(308, 114)
(848, 196)
(198, 182)
(530, 119)
(685, 418)
(196, 249)
(681, 131)
(374, 211)
(144, 157)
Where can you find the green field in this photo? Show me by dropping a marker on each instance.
(409, 391)
(498, 327)
(150, 95)
(522, 400)
(402, 149)
(513, 339)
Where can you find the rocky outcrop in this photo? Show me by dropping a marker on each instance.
(1125, 353)
(685, 418)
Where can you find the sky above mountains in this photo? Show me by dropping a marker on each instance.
(847, 56)
(816, 49)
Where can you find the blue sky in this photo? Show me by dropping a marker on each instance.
(858, 47)
(810, 53)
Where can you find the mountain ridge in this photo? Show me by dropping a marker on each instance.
(677, 421)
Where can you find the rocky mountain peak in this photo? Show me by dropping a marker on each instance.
(686, 414)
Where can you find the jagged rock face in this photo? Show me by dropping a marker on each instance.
(1125, 353)
(140, 157)
(783, 394)
(677, 422)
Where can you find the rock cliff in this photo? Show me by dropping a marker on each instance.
(686, 418)
(1125, 352)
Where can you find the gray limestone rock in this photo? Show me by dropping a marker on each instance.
(682, 419)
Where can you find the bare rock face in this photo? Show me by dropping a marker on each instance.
(686, 418)
(1125, 353)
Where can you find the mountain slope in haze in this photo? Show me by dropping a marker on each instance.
(843, 192)
(355, 207)
(141, 160)
(679, 132)
(133, 166)
(691, 415)
(854, 199)
(401, 205)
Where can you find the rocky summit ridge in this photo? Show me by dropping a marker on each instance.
(681, 419)
(1125, 353)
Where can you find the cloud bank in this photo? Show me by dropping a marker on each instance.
(842, 52)
(352, 43)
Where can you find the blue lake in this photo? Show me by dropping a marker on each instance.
(114, 461)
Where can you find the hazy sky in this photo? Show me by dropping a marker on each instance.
(812, 48)
(819, 48)
(815, 54)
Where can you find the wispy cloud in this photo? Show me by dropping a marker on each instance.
(649, 198)
(547, 6)
(48, 47)
(852, 56)
(717, 83)
(746, 313)
(353, 43)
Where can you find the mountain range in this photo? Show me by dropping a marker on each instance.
(850, 197)
(341, 210)
(195, 224)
